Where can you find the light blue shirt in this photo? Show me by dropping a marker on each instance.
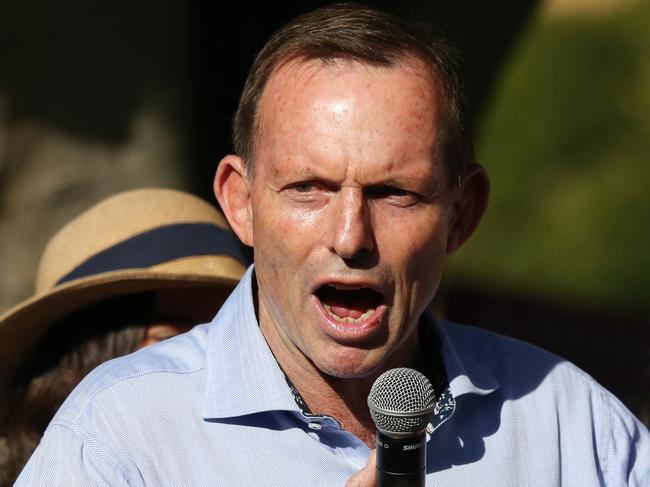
(213, 408)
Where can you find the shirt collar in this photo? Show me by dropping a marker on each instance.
(465, 375)
(242, 375)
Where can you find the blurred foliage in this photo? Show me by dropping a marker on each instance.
(566, 141)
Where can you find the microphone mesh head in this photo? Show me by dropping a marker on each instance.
(401, 402)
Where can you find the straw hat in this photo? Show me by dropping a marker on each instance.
(140, 240)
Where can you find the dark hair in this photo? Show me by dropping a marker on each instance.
(355, 33)
(69, 351)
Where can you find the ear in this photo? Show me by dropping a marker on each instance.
(232, 189)
(469, 207)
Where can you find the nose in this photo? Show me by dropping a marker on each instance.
(352, 235)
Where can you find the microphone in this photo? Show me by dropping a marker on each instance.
(401, 402)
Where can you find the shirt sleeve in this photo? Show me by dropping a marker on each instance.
(63, 458)
(627, 452)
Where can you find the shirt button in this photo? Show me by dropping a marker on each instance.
(315, 426)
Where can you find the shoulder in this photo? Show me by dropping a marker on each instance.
(123, 407)
(511, 361)
(550, 394)
(532, 374)
(151, 373)
(479, 342)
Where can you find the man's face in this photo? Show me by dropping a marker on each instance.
(350, 213)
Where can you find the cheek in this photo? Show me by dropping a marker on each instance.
(426, 266)
(284, 240)
(414, 239)
(284, 231)
(415, 248)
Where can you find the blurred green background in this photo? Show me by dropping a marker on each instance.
(566, 140)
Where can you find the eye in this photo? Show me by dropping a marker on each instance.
(387, 191)
(308, 188)
(303, 187)
(302, 191)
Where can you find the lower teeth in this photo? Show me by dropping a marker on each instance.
(348, 319)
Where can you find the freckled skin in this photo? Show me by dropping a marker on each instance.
(327, 135)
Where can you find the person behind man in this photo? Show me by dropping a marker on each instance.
(354, 178)
(128, 272)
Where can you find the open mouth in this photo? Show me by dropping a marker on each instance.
(349, 304)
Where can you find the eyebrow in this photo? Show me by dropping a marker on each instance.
(313, 171)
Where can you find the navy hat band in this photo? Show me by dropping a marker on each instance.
(161, 245)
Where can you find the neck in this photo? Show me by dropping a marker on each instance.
(342, 398)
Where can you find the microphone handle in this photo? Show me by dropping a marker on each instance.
(387, 479)
(401, 462)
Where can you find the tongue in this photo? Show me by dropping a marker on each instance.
(346, 312)
(352, 304)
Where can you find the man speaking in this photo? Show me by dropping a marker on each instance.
(353, 179)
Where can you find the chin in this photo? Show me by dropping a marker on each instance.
(349, 365)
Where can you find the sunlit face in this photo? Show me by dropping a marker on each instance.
(350, 213)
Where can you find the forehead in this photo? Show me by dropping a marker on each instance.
(347, 106)
(297, 81)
